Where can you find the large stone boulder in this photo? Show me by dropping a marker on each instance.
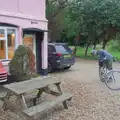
(22, 64)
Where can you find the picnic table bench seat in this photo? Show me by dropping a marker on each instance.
(47, 105)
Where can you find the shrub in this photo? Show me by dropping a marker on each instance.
(22, 64)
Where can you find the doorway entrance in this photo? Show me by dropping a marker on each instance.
(33, 38)
(39, 39)
(29, 41)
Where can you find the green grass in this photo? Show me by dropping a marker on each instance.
(80, 53)
(116, 54)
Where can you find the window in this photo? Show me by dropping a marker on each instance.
(11, 42)
(7, 42)
(2, 33)
(2, 49)
(51, 49)
(29, 41)
(61, 49)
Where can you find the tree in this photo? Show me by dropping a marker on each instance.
(55, 16)
(115, 43)
(98, 20)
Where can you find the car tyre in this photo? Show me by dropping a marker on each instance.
(50, 68)
(66, 68)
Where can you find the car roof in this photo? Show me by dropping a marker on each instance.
(53, 43)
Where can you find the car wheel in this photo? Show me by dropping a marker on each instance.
(50, 68)
(67, 67)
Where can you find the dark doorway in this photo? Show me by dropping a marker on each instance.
(39, 39)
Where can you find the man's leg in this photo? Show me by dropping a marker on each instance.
(109, 67)
(109, 64)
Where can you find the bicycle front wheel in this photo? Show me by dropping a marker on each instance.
(102, 73)
(112, 80)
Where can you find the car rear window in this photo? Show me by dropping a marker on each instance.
(63, 49)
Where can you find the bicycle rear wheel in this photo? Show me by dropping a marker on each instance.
(112, 80)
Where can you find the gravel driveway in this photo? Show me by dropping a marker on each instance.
(92, 100)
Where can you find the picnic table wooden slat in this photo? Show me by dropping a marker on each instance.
(26, 86)
(46, 105)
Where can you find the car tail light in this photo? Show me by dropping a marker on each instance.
(59, 54)
(3, 73)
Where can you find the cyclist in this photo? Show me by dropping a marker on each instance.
(105, 57)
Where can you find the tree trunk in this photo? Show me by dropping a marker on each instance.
(94, 46)
(104, 44)
(75, 43)
(86, 51)
(95, 43)
(75, 50)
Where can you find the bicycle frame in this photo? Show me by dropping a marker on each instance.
(102, 70)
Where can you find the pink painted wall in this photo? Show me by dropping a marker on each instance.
(26, 14)
(34, 8)
(8, 5)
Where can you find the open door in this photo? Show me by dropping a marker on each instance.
(39, 39)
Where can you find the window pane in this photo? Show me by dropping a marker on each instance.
(68, 49)
(2, 49)
(61, 49)
(51, 49)
(11, 42)
(28, 41)
(2, 33)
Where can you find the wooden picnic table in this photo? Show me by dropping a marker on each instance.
(41, 84)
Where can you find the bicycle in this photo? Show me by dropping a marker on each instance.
(111, 78)
(102, 70)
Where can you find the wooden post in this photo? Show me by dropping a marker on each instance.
(22, 101)
(49, 91)
(58, 87)
(65, 104)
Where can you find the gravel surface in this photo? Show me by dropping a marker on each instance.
(92, 100)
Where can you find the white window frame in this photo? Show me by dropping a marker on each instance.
(6, 40)
(3, 38)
